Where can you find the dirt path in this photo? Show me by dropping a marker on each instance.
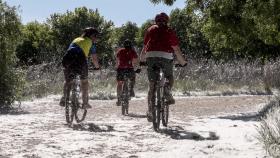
(198, 127)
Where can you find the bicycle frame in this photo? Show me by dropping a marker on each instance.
(72, 103)
(160, 110)
(125, 95)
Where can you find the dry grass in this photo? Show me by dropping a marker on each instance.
(269, 129)
(208, 77)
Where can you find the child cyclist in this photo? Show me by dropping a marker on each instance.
(126, 60)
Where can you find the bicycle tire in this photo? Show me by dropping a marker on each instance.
(156, 107)
(125, 99)
(164, 109)
(79, 112)
(68, 111)
(165, 115)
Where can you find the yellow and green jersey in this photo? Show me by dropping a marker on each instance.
(85, 44)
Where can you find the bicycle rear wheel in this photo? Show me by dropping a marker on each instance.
(125, 99)
(80, 113)
(69, 111)
(165, 107)
(156, 107)
(165, 115)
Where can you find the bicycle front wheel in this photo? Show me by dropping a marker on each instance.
(69, 111)
(80, 113)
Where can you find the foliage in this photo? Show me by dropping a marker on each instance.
(126, 31)
(199, 3)
(10, 81)
(141, 33)
(36, 44)
(65, 27)
(167, 2)
(269, 131)
(187, 27)
(247, 29)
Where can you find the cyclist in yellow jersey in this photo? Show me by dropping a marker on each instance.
(75, 62)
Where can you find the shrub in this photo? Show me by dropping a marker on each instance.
(269, 129)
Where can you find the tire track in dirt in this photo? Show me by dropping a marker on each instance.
(40, 131)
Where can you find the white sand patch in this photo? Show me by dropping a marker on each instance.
(42, 132)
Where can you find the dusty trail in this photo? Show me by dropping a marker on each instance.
(198, 127)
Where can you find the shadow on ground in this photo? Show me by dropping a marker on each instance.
(257, 116)
(177, 132)
(14, 112)
(91, 127)
(242, 117)
(136, 115)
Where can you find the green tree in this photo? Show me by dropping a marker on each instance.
(9, 77)
(126, 31)
(65, 27)
(36, 44)
(239, 28)
(167, 2)
(188, 29)
(141, 33)
(170, 2)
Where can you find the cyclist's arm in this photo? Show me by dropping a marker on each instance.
(135, 62)
(143, 55)
(94, 56)
(135, 59)
(179, 55)
(117, 59)
(95, 60)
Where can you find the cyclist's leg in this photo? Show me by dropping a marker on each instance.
(120, 79)
(84, 89)
(66, 86)
(83, 72)
(132, 83)
(167, 68)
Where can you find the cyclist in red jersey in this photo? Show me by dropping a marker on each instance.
(126, 60)
(160, 46)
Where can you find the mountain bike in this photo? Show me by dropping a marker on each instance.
(159, 107)
(73, 106)
(125, 96)
(73, 99)
(160, 110)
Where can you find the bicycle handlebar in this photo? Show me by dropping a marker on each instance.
(179, 65)
(137, 71)
(176, 65)
(143, 63)
(94, 68)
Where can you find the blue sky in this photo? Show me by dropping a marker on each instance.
(119, 11)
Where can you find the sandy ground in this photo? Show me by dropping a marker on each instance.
(199, 127)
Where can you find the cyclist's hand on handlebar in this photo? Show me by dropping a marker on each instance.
(184, 65)
(143, 63)
(137, 70)
(179, 65)
(91, 68)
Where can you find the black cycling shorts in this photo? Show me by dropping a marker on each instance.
(122, 72)
(75, 63)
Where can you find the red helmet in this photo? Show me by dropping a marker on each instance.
(162, 17)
